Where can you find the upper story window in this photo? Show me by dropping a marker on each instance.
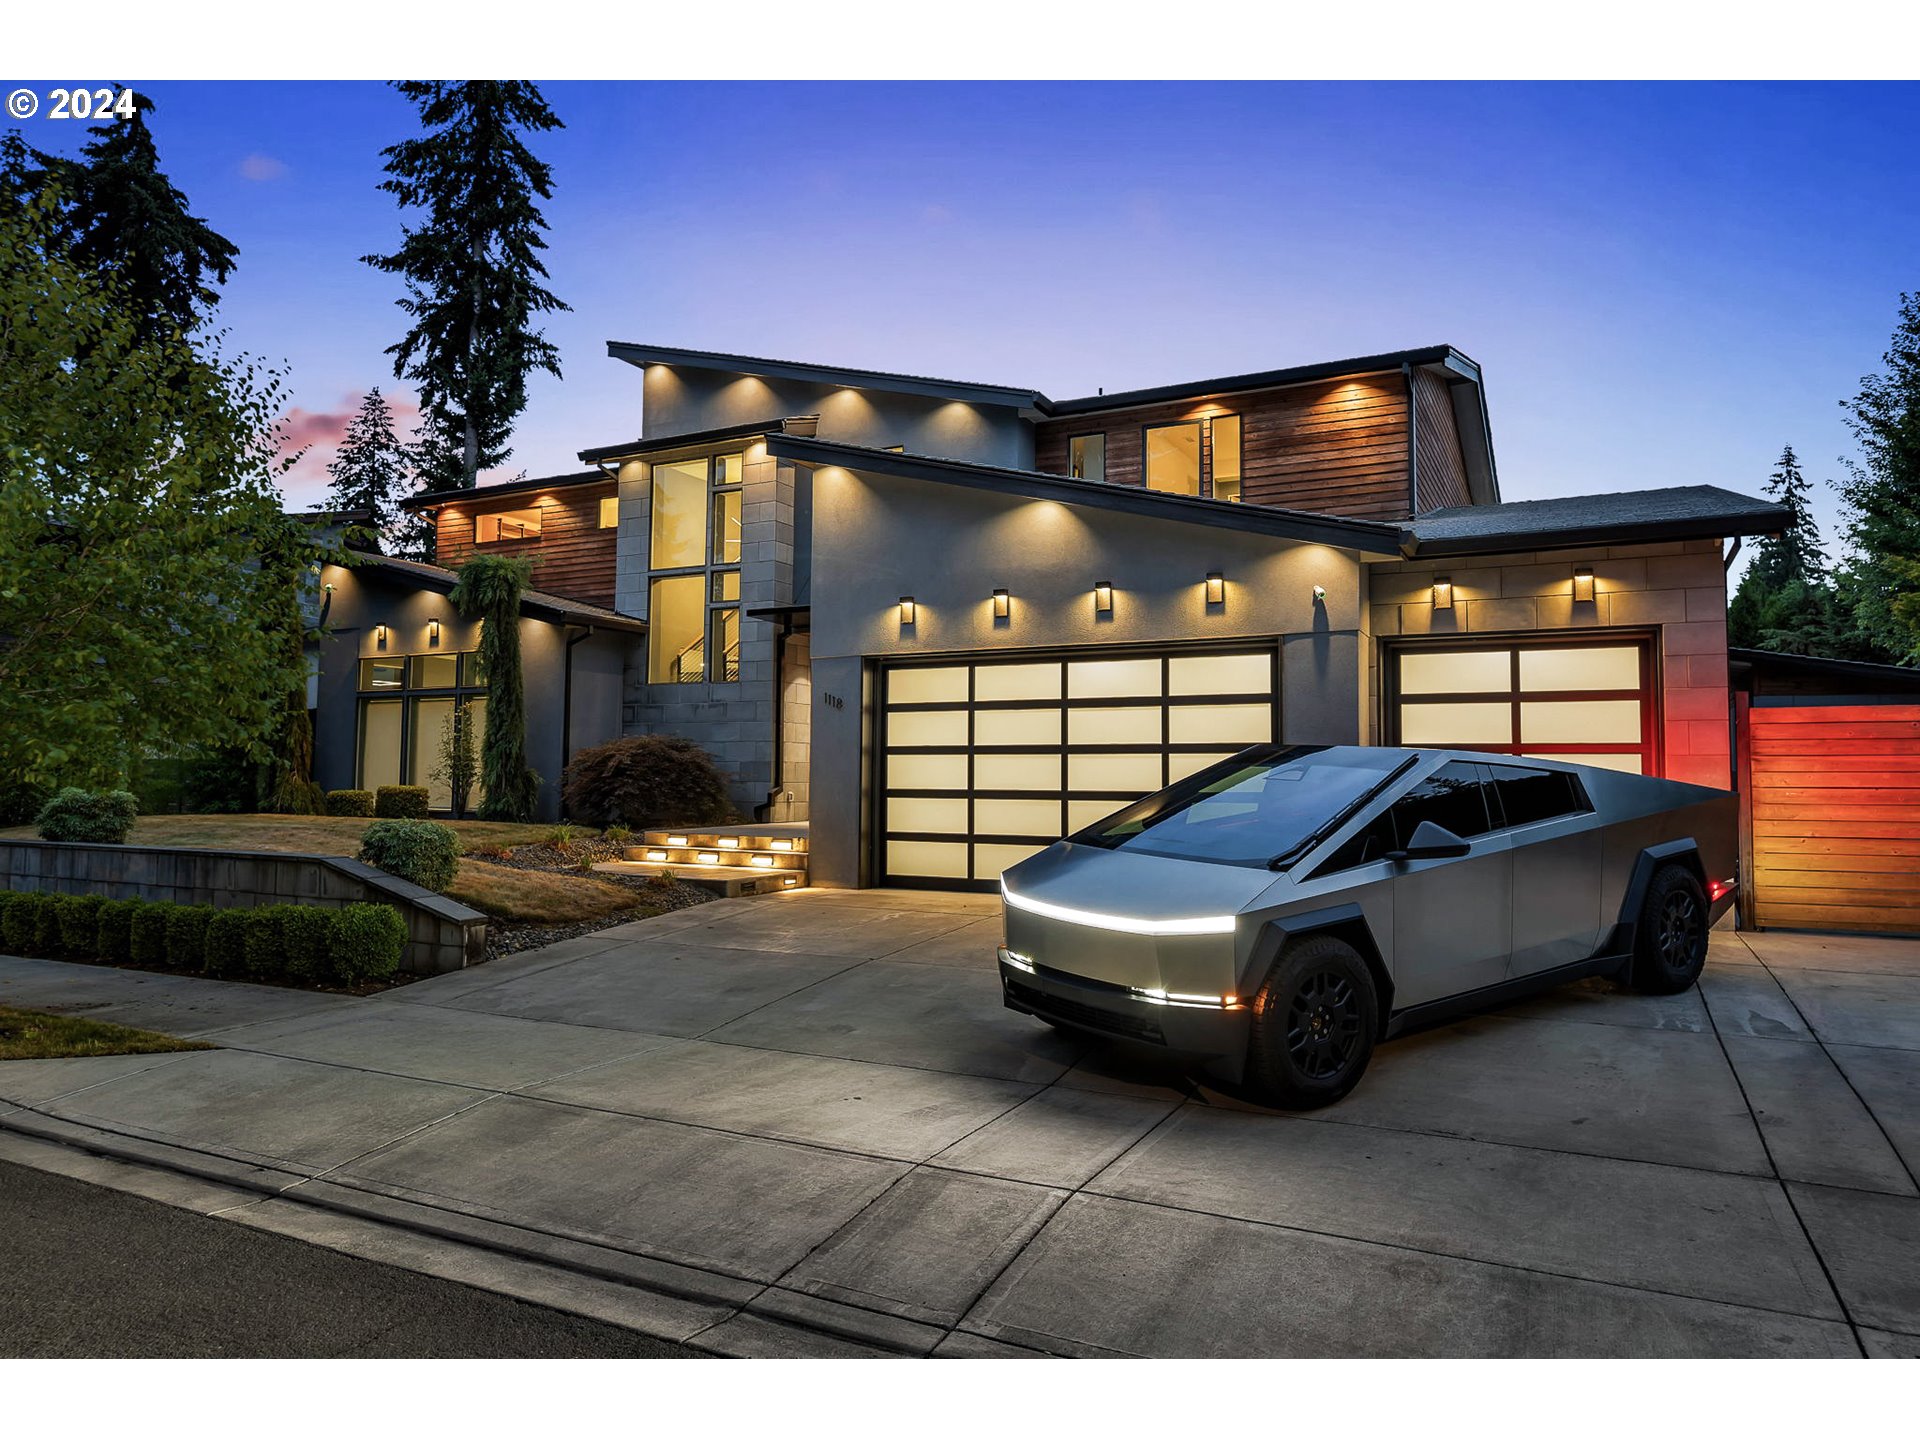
(609, 512)
(1224, 448)
(506, 525)
(1195, 457)
(1087, 457)
(693, 611)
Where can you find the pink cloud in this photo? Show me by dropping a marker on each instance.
(262, 167)
(316, 436)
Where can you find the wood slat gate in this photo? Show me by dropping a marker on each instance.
(1834, 798)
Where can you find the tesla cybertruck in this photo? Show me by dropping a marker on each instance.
(1276, 914)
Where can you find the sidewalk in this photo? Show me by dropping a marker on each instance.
(803, 1124)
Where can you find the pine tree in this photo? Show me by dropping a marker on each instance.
(372, 472)
(472, 268)
(122, 217)
(1785, 602)
(1881, 586)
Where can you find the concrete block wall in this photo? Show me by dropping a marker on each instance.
(796, 728)
(1678, 590)
(442, 934)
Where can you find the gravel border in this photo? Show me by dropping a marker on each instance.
(507, 937)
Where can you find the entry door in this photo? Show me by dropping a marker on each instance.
(985, 761)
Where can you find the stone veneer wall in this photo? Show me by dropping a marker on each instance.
(1678, 590)
(441, 933)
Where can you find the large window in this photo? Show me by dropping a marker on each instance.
(506, 525)
(1173, 458)
(693, 611)
(407, 706)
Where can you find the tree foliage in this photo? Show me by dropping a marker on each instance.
(119, 216)
(489, 590)
(138, 485)
(472, 267)
(1881, 585)
(1786, 602)
(457, 764)
(371, 473)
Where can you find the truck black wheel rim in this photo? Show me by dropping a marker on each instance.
(1323, 1024)
(1679, 931)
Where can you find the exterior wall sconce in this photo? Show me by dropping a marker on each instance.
(1103, 597)
(1443, 592)
(1216, 588)
(433, 634)
(379, 637)
(1319, 594)
(1002, 604)
(1583, 584)
(906, 610)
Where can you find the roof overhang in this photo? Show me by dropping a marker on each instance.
(1368, 536)
(434, 499)
(766, 369)
(534, 604)
(1636, 517)
(696, 439)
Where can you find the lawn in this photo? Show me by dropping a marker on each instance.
(539, 897)
(305, 834)
(29, 1035)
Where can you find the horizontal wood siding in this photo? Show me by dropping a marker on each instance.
(1338, 447)
(1442, 470)
(1836, 816)
(572, 556)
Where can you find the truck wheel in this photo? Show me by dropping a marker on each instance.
(1314, 1020)
(1670, 943)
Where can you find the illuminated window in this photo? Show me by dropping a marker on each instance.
(694, 617)
(609, 512)
(725, 535)
(679, 514)
(1173, 458)
(1224, 433)
(1087, 457)
(676, 631)
(502, 525)
(403, 721)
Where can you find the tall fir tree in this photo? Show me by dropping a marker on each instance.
(1785, 602)
(120, 215)
(472, 268)
(1881, 584)
(371, 473)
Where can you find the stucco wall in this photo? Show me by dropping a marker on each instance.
(877, 538)
(1677, 590)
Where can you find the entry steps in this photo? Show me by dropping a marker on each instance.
(729, 859)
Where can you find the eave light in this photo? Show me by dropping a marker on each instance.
(1216, 588)
(1127, 924)
(1583, 584)
(1442, 592)
(380, 637)
(1002, 603)
(906, 609)
(1103, 597)
(433, 633)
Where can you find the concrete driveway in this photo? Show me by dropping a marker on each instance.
(804, 1124)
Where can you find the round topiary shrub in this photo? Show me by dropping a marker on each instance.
(423, 851)
(646, 782)
(148, 942)
(308, 933)
(114, 937)
(264, 942)
(187, 936)
(350, 802)
(20, 924)
(95, 817)
(400, 802)
(226, 942)
(367, 942)
(80, 925)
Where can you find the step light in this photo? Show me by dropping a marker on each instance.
(656, 855)
(706, 857)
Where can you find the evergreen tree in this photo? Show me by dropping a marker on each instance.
(1785, 602)
(121, 216)
(472, 268)
(489, 590)
(372, 471)
(1881, 586)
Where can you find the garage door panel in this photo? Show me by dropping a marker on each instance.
(927, 772)
(1016, 727)
(1139, 774)
(932, 859)
(1035, 681)
(1113, 679)
(1016, 817)
(1017, 772)
(1116, 725)
(928, 728)
(926, 814)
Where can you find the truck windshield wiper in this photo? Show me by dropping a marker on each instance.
(1295, 851)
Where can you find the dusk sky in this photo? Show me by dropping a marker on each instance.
(1663, 283)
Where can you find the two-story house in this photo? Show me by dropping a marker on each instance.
(946, 623)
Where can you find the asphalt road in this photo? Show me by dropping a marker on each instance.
(91, 1272)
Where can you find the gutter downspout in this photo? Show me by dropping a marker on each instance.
(566, 701)
(1413, 439)
(764, 810)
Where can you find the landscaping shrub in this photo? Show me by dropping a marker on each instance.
(20, 921)
(226, 942)
(308, 933)
(21, 800)
(646, 782)
(350, 802)
(423, 851)
(265, 944)
(148, 943)
(619, 834)
(367, 942)
(187, 936)
(99, 817)
(113, 940)
(400, 802)
(80, 925)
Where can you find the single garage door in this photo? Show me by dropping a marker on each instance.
(1836, 816)
(985, 761)
(1589, 701)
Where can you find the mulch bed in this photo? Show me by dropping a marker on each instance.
(506, 937)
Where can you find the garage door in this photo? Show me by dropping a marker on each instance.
(1588, 701)
(1836, 816)
(983, 762)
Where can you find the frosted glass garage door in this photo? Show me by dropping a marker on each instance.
(1588, 701)
(984, 762)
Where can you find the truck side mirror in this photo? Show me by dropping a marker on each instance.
(1431, 842)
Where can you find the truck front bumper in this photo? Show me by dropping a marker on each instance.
(1210, 1027)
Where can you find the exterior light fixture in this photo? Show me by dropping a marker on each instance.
(1319, 594)
(1442, 592)
(765, 862)
(380, 637)
(780, 845)
(707, 858)
(656, 855)
(790, 880)
(676, 840)
(1216, 588)
(906, 610)
(1103, 597)
(433, 634)
(728, 842)
(1002, 603)
(1582, 584)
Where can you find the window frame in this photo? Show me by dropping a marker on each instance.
(1200, 481)
(1101, 436)
(465, 687)
(537, 511)
(709, 566)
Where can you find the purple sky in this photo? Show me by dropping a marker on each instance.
(1663, 283)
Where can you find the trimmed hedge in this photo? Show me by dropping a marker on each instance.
(350, 802)
(423, 851)
(400, 802)
(96, 817)
(342, 946)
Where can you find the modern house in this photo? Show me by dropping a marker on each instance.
(947, 622)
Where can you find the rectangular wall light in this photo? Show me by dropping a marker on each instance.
(1103, 597)
(1442, 592)
(906, 610)
(1582, 583)
(1002, 602)
(380, 637)
(433, 633)
(1216, 588)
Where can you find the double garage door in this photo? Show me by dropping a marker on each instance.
(983, 762)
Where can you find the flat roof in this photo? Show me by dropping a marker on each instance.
(540, 604)
(512, 487)
(928, 385)
(633, 449)
(1681, 512)
(1270, 379)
